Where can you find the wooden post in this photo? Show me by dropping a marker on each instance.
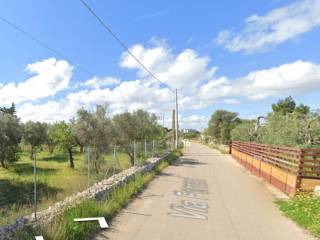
(300, 168)
(230, 147)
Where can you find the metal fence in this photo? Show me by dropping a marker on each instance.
(25, 189)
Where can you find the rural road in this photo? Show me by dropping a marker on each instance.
(206, 195)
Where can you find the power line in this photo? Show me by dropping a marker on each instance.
(41, 43)
(122, 44)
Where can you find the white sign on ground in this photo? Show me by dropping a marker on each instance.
(102, 221)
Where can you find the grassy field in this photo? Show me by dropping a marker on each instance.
(303, 209)
(65, 228)
(55, 181)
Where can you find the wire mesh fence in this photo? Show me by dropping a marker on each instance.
(55, 180)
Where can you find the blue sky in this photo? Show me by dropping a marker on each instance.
(237, 55)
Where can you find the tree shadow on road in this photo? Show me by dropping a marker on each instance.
(188, 162)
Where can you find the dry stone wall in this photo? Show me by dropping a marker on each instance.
(98, 191)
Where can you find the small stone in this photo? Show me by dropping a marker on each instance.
(317, 191)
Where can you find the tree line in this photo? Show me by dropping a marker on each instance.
(93, 129)
(288, 124)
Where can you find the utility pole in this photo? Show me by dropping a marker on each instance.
(173, 128)
(177, 120)
(134, 153)
(35, 184)
(163, 120)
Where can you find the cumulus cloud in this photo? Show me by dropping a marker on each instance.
(295, 77)
(194, 121)
(201, 87)
(50, 76)
(276, 27)
(98, 82)
(184, 70)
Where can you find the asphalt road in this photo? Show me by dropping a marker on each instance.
(205, 196)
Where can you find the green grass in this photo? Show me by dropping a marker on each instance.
(56, 180)
(64, 226)
(304, 209)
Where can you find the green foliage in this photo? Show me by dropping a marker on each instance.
(245, 131)
(191, 135)
(35, 134)
(302, 109)
(221, 124)
(63, 136)
(289, 124)
(11, 110)
(284, 106)
(95, 130)
(65, 227)
(10, 136)
(292, 129)
(136, 126)
(304, 209)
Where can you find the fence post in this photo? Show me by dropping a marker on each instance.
(152, 147)
(88, 165)
(300, 167)
(114, 160)
(230, 147)
(145, 148)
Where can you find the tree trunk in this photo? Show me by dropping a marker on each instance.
(131, 155)
(32, 151)
(70, 157)
(81, 148)
(2, 164)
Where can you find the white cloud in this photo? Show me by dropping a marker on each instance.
(231, 101)
(296, 77)
(276, 27)
(201, 88)
(97, 82)
(194, 121)
(184, 70)
(48, 112)
(290, 78)
(50, 77)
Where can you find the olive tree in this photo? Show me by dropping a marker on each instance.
(221, 124)
(63, 136)
(95, 130)
(245, 131)
(137, 126)
(35, 134)
(10, 137)
(293, 129)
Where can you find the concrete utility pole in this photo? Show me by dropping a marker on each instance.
(173, 128)
(35, 184)
(177, 120)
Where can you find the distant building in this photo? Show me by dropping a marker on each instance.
(189, 130)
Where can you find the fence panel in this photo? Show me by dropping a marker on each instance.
(288, 168)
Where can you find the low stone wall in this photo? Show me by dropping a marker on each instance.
(98, 191)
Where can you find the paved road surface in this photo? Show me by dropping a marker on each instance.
(205, 196)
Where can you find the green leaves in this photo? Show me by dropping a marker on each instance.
(10, 136)
(221, 124)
